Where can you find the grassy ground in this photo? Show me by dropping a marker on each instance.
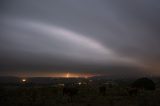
(87, 96)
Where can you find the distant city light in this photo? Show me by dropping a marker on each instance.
(60, 84)
(85, 77)
(90, 80)
(75, 75)
(24, 80)
(79, 83)
(67, 75)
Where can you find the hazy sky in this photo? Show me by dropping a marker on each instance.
(112, 37)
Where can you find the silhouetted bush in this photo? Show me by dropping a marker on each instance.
(144, 83)
(102, 90)
(70, 91)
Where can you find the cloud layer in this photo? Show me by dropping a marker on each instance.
(76, 34)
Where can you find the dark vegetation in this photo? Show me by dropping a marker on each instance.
(144, 83)
(138, 93)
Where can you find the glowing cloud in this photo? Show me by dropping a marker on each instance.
(72, 44)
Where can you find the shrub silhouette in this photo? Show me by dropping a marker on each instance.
(132, 91)
(102, 90)
(144, 83)
(70, 91)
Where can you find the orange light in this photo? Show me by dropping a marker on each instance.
(67, 75)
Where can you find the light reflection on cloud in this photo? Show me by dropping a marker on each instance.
(76, 45)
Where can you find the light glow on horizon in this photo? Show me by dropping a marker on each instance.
(67, 75)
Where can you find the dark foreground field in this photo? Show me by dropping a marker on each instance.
(87, 96)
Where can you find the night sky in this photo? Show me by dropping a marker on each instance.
(82, 37)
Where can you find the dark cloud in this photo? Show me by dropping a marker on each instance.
(80, 35)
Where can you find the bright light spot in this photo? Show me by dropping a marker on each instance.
(79, 83)
(24, 80)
